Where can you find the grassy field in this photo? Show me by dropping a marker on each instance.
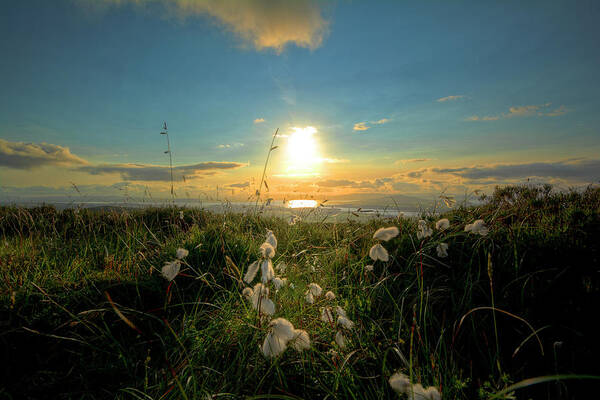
(85, 312)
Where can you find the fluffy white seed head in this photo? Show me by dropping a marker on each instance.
(400, 383)
(271, 239)
(340, 339)
(345, 322)
(181, 215)
(330, 295)
(442, 224)
(171, 269)
(309, 297)
(251, 273)
(281, 267)
(266, 270)
(340, 312)
(477, 227)
(442, 250)
(247, 292)
(267, 306)
(369, 268)
(273, 346)
(267, 250)
(282, 328)
(277, 283)
(181, 253)
(423, 230)
(378, 252)
(386, 234)
(301, 340)
(326, 315)
(315, 289)
(432, 393)
(259, 293)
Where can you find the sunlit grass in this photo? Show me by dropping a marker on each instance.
(89, 310)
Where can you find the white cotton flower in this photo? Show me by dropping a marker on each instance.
(417, 392)
(309, 297)
(281, 267)
(477, 227)
(259, 293)
(400, 383)
(442, 224)
(369, 268)
(278, 283)
(330, 295)
(315, 289)
(251, 273)
(181, 253)
(326, 314)
(423, 230)
(181, 215)
(345, 322)
(432, 393)
(283, 328)
(247, 292)
(271, 239)
(266, 270)
(378, 252)
(442, 250)
(171, 269)
(340, 312)
(267, 306)
(340, 339)
(267, 250)
(301, 340)
(273, 346)
(386, 234)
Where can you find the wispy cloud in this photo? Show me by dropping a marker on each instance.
(20, 155)
(259, 120)
(361, 126)
(242, 185)
(450, 98)
(381, 121)
(540, 110)
(412, 160)
(229, 145)
(156, 173)
(264, 24)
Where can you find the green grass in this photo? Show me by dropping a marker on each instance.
(431, 318)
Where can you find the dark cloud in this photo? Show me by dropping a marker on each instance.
(579, 171)
(158, 173)
(21, 155)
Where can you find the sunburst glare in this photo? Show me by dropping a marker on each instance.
(303, 158)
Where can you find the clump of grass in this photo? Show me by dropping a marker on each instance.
(70, 281)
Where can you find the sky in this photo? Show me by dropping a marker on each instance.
(370, 98)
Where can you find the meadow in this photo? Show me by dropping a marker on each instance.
(87, 313)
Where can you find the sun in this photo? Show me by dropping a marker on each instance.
(303, 158)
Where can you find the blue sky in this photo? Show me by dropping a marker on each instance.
(519, 79)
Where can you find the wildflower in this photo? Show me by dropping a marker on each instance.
(340, 339)
(315, 289)
(278, 283)
(271, 239)
(251, 273)
(171, 269)
(369, 268)
(378, 252)
(266, 270)
(345, 322)
(386, 234)
(181, 215)
(247, 292)
(442, 250)
(267, 307)
(281, 332)
(423, 230)
(283, 328)
(260, 297)
(301, 340)
(181, 253)
(267, 250)
(294, 219)
(477, 227)
(281, 267)
(400, 383)
(330, 295)
(340, 312)
(442, 224)
(326, 314)
(273, 346)
(309, 297)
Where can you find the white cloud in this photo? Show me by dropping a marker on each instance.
(20, 155)
(259, 120)
(450, 98)
(361, 126)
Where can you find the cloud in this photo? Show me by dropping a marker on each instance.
(334, 160)
(259, 120)
(412, 160)
(239, 185)
(224, 146)
(265, 24)
(382, 121)
(20, 155)
(450, 98)
(361, 126)
(229, 145)
(576, 170)
(156, 173)
(339, 183)
(540, 110)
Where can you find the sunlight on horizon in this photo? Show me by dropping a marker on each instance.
(303, 157)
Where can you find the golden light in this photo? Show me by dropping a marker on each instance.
(303, 158)
(302, 203)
